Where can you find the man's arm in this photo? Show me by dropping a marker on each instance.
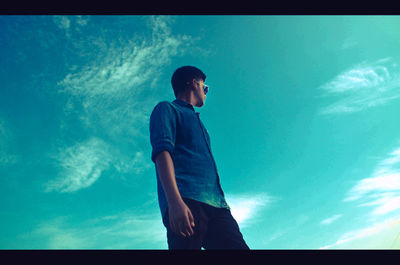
(180, 217)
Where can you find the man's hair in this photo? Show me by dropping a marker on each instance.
(183, 75)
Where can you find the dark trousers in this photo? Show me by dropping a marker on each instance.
(215, 228)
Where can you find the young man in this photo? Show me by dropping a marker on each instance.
(191, 200)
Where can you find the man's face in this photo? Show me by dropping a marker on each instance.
(198, 87)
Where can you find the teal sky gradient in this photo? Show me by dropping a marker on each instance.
(302, 113)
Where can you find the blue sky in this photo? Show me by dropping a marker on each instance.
(302, 113)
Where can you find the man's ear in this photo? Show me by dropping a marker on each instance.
(189, 84)
(193, 84)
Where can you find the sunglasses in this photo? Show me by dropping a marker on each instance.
(205, 89)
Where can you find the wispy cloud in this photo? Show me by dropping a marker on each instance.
(127, 65)
(126, 230)
(82, 20)
(112, 97)
(136, 230)
(139, 231)
(63, 22)
(381, 191)
(331, 219)
(55, 235)
(70, 24)
(136, 164)
(82, 164)
(385, 203)
(363, 86)
(381, 235)
(245, 208)
(115, 92)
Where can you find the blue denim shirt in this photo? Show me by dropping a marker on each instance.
(177, 128)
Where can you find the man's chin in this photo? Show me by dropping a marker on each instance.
(200, 104)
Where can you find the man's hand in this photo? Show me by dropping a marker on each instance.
(181, 219)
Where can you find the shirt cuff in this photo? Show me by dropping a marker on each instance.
(165, 146)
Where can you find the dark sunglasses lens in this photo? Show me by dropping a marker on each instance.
(205, 89)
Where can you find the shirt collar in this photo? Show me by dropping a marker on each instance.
(183, 103)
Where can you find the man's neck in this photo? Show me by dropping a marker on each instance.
(188, 98)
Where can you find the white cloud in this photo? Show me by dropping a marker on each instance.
(82, 20)
(115, 92)
(363, 86)
(331, 219)
(386, 202)
(381, 235)
(380, 183)
(82, 164)
(57, 236)
(137, 164)
(128, 65)
(384, 184)
(393, 159)
(70, 24)
(245, 208)
(381, 191)
(127, 230)
(146, 228)
(63, 22)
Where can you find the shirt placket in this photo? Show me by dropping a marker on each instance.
(209, 149)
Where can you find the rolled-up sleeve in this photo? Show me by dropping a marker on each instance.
(162, 129)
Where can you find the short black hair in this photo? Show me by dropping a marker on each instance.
(185, 74)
